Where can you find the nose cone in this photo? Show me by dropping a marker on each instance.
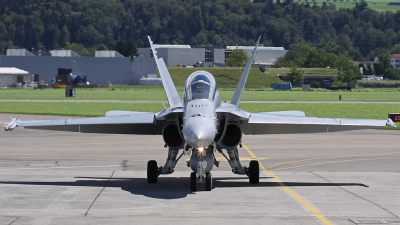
(199, 132)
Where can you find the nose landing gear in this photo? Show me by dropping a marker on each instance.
(207, 180)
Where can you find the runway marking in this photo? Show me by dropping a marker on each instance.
(342, 161)
(330, 157)
(105, 185)
(309, 206)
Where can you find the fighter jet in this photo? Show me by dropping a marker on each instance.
(201, 125)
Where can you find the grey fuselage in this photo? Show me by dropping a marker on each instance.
(200, 101)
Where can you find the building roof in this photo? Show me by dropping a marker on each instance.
(12, 70)
(252, 47)
(172, 46)
(395, 56)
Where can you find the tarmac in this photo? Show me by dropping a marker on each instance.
(53, 177)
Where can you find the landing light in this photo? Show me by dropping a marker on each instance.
(201, 149)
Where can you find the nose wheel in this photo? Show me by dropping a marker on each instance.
(193, 181)
(208, 181)
(152, 172)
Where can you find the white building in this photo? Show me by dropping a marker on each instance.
(18, 52)
(107, 54)
(64, 53)
(12, 76)
(207, 56)
(265, 56)
(395, 60)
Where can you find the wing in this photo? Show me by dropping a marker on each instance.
(239, 89)
(169, 87)
(135, 123)
(270, 123)
(290, 122)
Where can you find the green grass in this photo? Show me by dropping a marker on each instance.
(74, 108)
(371, 111)
(378, 5)
(250, 94)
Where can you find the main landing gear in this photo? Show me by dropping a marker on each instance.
(153, 171)
(253, 171)
(202, 162)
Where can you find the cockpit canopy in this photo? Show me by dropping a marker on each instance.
(200, 85)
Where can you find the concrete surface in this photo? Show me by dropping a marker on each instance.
(49, 177)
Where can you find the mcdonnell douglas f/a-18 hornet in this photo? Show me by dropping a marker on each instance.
(201, 125)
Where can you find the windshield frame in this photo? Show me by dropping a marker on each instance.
(200, 77)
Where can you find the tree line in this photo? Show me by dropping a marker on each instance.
(87, 25)
(330, 55)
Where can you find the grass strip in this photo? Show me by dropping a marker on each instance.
(158, 94)
(361, 111)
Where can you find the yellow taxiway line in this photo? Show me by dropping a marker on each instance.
(308, 205)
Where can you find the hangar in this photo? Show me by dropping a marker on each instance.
(110, 66)
(210, 56)
(106, 66)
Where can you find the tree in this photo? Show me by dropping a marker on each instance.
(347, 71)
(370, 69)
(64, 36)
(237, 58)
(78, 48)
(383, 64)
(395, 49)
(361, 6)
(295, 75)
(392, 73)
(101, 47)
(122, 47)
(131, 48)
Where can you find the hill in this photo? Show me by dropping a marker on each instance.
(84, 26)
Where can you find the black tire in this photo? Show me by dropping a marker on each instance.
(152, 172)
(208, 181)
(193, 181)
(254, 172)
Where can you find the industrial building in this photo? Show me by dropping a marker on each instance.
(210, 56)
(265, 56)
(111, 66)
(106, 66)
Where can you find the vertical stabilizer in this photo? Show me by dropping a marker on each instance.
(169, 87)
(239, 89)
